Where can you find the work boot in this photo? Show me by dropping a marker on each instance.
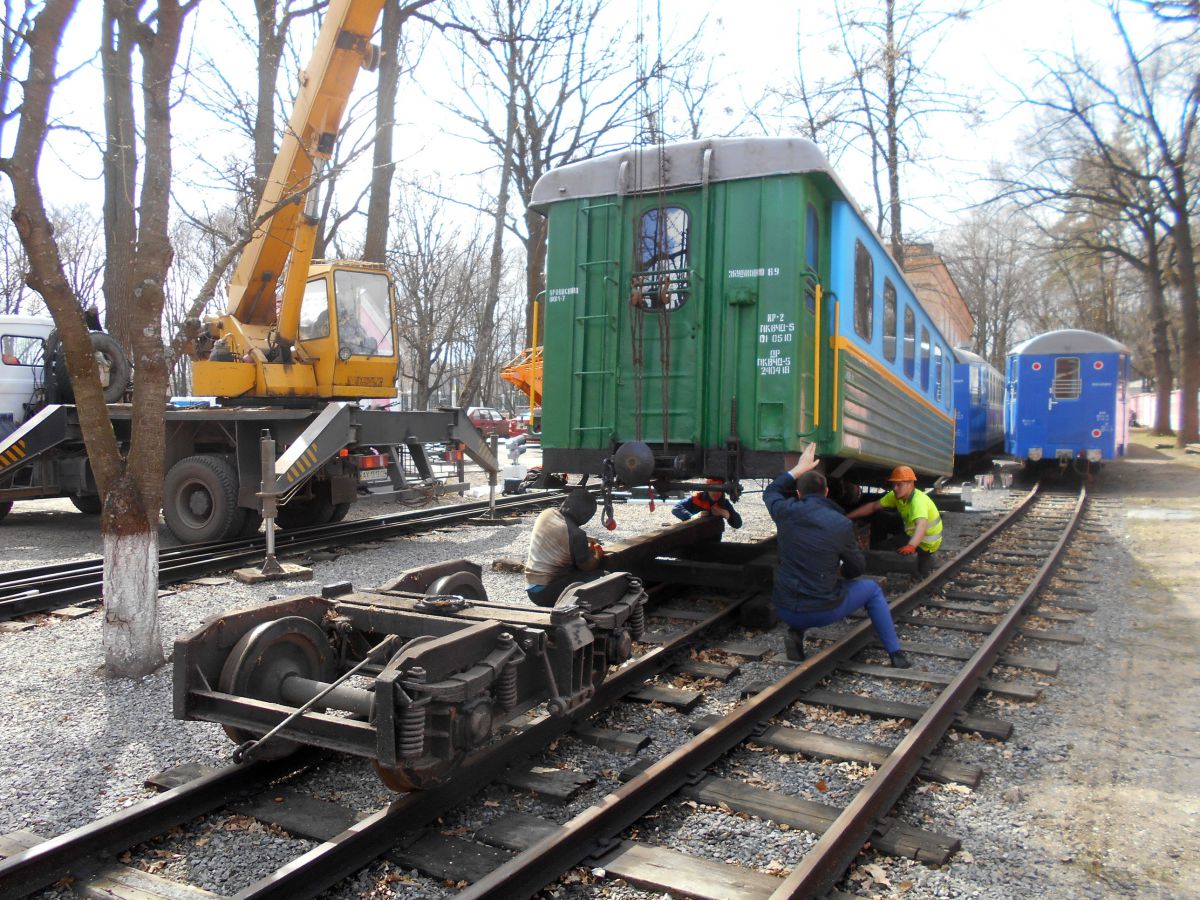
(899, 660)
(793, 644)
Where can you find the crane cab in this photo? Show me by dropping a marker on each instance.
(345, 345)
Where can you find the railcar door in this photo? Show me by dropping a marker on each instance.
(1066, 385)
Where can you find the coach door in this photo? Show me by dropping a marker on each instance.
(1065, 388)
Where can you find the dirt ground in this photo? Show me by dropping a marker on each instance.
(1127, 801)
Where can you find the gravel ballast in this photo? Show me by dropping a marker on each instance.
(1095, 795)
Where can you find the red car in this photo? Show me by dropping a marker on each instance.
(490, 422)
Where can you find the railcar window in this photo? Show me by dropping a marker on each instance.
(661, 280)
(937, 371)
(924, 359)
(889, 320)
(976, 383)
(1066, 385)
(812, 252)
(20, 350)
(910, 343)
(864, 289)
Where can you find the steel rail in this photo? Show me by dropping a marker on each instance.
(833, 853)
(534, 868)
(76, 851)
(42, 588)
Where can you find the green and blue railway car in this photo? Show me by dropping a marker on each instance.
(723, 303)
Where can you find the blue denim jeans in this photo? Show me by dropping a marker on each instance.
(859, 593)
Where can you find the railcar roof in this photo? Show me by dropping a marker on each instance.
(639, 170)
(1069, 340)
(963, 355)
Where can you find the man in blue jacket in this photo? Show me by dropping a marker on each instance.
(817, 581)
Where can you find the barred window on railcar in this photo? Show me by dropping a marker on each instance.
(1067, 384)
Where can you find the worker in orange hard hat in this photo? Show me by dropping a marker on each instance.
(714, 502)
(918, 517)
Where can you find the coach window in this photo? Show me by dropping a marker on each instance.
(661, 280)
(937, 372)
(864, 284)
(910, 343)
(924, 359)
(889, 320)
(1066, 384)
(812, 252)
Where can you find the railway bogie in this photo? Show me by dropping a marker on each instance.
(1066, 399)
(412, 681)
(714, 306)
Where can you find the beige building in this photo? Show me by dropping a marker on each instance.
(935, 287)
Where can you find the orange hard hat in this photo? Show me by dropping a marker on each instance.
(902, 473)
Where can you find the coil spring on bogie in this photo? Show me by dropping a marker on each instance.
(506, 686)
(412, 730)
(637, 620)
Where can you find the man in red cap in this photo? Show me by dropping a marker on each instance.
(921, 521)
(715, 503)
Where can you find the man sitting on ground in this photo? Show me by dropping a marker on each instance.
(559, 551)
(817, 583)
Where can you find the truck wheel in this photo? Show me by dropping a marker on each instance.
(200, 500)
(319, 509)
(4, 508)
(339, 512)
(88, 504)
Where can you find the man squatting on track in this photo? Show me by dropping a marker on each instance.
(560, 552)
(715, 503)
(913, 516)
(817, 583)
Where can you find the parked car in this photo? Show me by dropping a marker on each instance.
(489, 421)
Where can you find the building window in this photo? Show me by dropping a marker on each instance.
(1067, 384)
(864, 283)
(924, 358)
(889, 320)
(910, 343)
(660, 282)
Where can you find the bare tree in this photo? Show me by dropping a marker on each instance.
(881, 106)
(1124, 144)
(130, 483)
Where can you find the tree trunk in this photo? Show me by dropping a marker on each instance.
(379, 204)
(120, 166)
(1157, 308)
(1189, 380)
(535, 273)
(132, 645)
(893, 136)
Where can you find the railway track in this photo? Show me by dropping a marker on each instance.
(965, 615)
(43, 588)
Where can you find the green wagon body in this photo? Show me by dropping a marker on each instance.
(720, 357)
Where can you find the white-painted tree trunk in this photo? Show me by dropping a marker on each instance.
(132, 647)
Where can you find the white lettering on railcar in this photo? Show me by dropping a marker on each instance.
(759, 272)
(774, 363)
(557, 294)
(776, 330)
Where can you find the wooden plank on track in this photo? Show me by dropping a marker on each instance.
(112, 880)
(1011, 689)
(516, 831)
(698, 668)
(177, 775)
(1017, 661)
(685, 701)
(678, 612)
(662, 869)
(1062, 601)
(987, 726)
(299, 814)
(1041, 634)
(815, 745)
(751, 650)
(611, 739)
(896, 840)
(449, 858)
(557, 784)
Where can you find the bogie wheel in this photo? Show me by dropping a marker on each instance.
(4, 509)
(264, 658)
(200, 500)
(88, 504)
(460, 584)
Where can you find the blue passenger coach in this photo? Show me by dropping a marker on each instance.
(978, 405)
(1066, 399)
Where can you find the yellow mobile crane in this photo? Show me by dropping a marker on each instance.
(299, 344)
(295, 328)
